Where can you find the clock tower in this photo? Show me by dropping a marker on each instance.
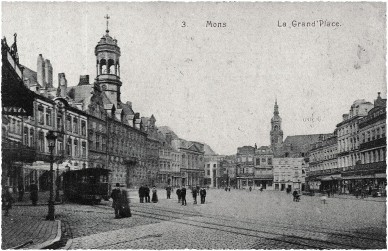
(276, 129)
(108, 66)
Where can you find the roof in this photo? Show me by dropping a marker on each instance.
(80, 92)
(296, 144)
(165, 130)
(30, 74)
(208, 150)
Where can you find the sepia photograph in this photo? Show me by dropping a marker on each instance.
(193, 125)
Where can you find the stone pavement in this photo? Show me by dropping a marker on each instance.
(27, 225)
(230, 220)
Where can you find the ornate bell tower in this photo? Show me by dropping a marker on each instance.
(276, 129)
(108, 66)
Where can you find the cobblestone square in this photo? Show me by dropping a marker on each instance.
(238, 219)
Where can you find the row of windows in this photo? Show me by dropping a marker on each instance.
(372, 134)
(72, 125)
(373, 156)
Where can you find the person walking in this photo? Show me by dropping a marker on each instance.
(202, 193)
(168, 189)
(250, 189)
(178, 193)
(21, 192)
(34, 193)
(195, 194)
(125, 210)
(154, 195)
(183, 196)
(116, 196)
(147, 194)
(7, 200)
(141, 194)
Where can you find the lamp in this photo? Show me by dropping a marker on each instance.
(51, 137)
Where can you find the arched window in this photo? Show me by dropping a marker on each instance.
(111, 67)
(103, 68)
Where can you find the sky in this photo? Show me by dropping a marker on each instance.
(218, 85)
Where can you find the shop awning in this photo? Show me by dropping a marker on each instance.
(332, 177)
(359, 177)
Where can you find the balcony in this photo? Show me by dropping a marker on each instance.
(374, 143)
(15, 151)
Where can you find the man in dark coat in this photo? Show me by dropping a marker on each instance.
(141, 193)
(183, 196)
(116, 196)
(195, 193)
(34, 193)
(125, 210)
(147, 194)
(178, 193)
(202, 193)
(168, 189)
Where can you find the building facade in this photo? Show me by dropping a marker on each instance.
(289, 173)
(323, 172)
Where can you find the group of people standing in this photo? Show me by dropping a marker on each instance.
(181, 193)
(144, 194)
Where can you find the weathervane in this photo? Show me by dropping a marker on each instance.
(107, 22)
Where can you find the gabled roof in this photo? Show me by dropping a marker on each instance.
(165, 130)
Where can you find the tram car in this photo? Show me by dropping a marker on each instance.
(89, 185)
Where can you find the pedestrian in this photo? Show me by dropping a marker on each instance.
(261, 189)
(183, 196)
(178, 193)
(295, 196)
(328, 193)
(202, 193)
(154, 195)
(226, 189)
(250, 189)
(168, 189)
(141, 194)
(229, 188)
(21, 192)
(125, 210)
(116, 196)
(323, 198)
(7, 200)
(195, 193)
(147, 194)
(33, 193)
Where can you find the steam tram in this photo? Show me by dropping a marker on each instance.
(89, 185)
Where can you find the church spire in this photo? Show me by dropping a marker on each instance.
(276, 108)
(107, 23)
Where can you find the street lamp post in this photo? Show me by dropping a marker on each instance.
(51, 137)
(57, 199)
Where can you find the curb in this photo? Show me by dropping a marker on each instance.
(37, 205)
(50, 242)
(68, 244)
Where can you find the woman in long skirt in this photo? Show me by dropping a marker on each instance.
(154, 195)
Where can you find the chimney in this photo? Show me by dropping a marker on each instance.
(129, 104)
(62, 84)
(345, 116)
(83, 80)
(137, 115)
(40, 70)
(48, 73)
